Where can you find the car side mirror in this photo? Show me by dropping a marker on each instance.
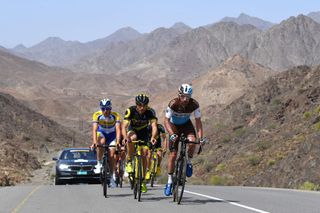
(54, 158)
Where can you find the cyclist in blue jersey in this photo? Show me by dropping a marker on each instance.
(177, 121)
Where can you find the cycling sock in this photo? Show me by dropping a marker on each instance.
(169, 178)
(189, 160)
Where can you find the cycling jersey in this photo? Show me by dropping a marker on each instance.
(137, 121)
(180, 114)
(106, 125)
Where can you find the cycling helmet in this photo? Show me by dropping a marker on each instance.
(142, 99)
(105, 103)
(185, 89)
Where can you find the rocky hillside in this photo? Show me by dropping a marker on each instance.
(272, 133)
(27, 138)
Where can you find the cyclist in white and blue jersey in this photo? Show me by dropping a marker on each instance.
(177, 121)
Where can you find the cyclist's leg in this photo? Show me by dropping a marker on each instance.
(101, 140)
(112, 157)
(191, 135)
(130, 150)
(130, 147)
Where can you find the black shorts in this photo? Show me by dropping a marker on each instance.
(142, 134)
(187, 129)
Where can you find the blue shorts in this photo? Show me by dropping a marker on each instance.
(109, 137)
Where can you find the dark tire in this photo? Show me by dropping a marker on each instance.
(139, 178)
(105, 175)
(182, 180)
(153, 172)
(57, 181)
(134, 179)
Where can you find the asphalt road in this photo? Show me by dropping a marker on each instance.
(88, 198)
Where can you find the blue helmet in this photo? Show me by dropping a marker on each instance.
(185, 89)
(105, 103)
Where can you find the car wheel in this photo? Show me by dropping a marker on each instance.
(57, 181)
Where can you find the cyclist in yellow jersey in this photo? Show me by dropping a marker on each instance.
(106, 129)
(135, 127)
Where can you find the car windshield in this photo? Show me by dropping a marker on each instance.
(78, 154)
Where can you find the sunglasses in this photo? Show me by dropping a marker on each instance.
(105, 109)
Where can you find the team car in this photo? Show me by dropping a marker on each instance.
(76, 165)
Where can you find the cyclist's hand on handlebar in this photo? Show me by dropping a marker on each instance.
(92, 146)
(126, 140)
(173, 137)
(203, 141)
(153, 141)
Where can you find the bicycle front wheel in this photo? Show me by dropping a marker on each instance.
(105, 178)
(139, 178)
(180, 179)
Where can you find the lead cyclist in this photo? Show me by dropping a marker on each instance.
(177, 121)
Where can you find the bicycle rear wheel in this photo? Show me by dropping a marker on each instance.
(120, 173)
(153, 171)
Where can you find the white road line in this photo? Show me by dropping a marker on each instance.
(232, 203)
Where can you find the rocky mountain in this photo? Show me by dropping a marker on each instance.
(56, 52)
(233, 78)
(315, 16)
(272, 133)
(293, 42)
(26, 138)
(246, 19)
(167, 55)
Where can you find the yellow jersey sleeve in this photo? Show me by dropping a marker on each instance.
(95, 116)
(117, 117)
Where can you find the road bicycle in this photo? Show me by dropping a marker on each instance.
(119, 168)
(137, 169)
(105, 174)
(179, 177)
(154, 164)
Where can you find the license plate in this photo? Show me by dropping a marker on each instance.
(81, 172)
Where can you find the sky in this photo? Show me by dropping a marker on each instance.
(29, 22)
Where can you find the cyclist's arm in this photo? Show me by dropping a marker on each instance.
(118, 132)
(94, 133)
(199, 127)
(154, 129)
(164, 141)
(124, 128)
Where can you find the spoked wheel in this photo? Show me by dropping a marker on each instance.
(180, 180)
(139, 178)
(134, 179)
(153, 172)
(119, 174)
(105, 175)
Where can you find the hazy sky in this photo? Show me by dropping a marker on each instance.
(31, 21)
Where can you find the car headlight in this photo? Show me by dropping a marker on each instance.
(64, 167)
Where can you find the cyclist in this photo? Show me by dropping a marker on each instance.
(106, 129)
(160, 147)
(135, 127)
(177, 121)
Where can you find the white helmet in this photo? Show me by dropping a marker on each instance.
(105, 103)
(185, 89)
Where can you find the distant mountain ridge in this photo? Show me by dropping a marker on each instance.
(56, 52)
(246, 19)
